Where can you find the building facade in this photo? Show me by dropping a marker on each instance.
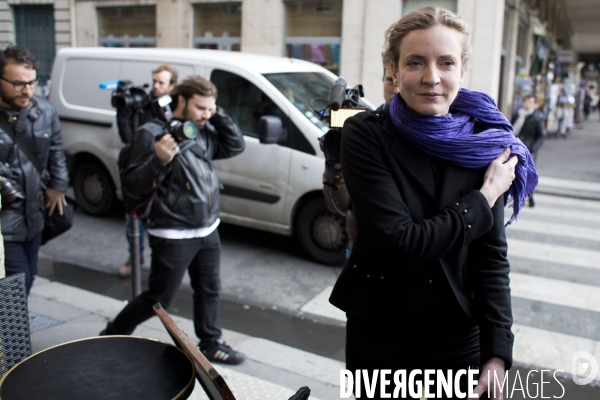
(513, 40)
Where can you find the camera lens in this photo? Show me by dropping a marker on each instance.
(9, 192)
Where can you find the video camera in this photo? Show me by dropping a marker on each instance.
(343, 103)
(127, 96)
(180, 130)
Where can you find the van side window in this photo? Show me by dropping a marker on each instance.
(243, 101)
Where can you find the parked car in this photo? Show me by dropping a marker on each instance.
(273, 187)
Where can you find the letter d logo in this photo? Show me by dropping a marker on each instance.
(585, 368)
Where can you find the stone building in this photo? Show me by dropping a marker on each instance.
(511, 38)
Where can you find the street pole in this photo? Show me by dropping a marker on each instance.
(136, 271)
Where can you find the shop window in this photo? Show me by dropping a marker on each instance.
(218, 26)
(409, 5)
(313, 31)
(127, 26)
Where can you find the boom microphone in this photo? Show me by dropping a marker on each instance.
(338, 94)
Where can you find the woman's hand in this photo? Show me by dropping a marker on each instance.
(499, 176)
(492, 377)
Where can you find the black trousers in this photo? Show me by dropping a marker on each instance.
(201, 257)
(407, 345)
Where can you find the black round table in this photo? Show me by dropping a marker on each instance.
(106, 367)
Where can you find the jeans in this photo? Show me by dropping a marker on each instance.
(23, 257)
(201, 257)
(128, 231)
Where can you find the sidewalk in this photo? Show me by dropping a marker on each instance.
(60, 313)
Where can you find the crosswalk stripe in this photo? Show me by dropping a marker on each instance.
(552, 213)
(548, 349)
(553, 253)
(569, 184)
(557, 201)
(555, 291)
(555, 229)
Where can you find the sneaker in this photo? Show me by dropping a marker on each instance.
(220, 352)
(124, 270)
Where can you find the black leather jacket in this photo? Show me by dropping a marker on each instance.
(24, 218)
(188, 197)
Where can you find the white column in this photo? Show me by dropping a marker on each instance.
(62, 24)
(379, 16)
(486, 24)
(351, 49)
(263, 27)
(510, 61)
(174, 23)
(7, 27)
(86, 26)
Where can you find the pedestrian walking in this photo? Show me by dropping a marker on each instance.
(528, 125)
(184, 214)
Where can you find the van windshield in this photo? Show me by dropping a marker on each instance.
(301, 88)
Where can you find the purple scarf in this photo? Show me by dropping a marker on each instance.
(451, 137)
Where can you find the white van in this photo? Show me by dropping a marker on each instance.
(273, 187)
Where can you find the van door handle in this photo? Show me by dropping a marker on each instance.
(262, 186)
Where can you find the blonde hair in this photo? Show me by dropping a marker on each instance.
(423, 18)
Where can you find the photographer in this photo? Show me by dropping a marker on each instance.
(334, 189)
(184, 214)
(164, 78)
(30, 135)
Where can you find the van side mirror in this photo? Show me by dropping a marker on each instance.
(270, 129)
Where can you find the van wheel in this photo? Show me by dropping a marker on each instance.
(321, 234)
(94, 189)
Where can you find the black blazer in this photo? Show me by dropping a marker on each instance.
(408, 218)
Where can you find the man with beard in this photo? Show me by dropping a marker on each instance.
(164, 78)
(33, 167)
(184, 214)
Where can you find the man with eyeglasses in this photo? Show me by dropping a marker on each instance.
(33, 167)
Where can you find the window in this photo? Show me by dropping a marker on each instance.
(409, 5)
(34, 29)
(243, 101)
(301, 88)
(127, 26)
(218, 26)
(313, 31)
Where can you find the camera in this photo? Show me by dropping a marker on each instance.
(343, 103)
(9, 191)
(180, 130)
(127, 96)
